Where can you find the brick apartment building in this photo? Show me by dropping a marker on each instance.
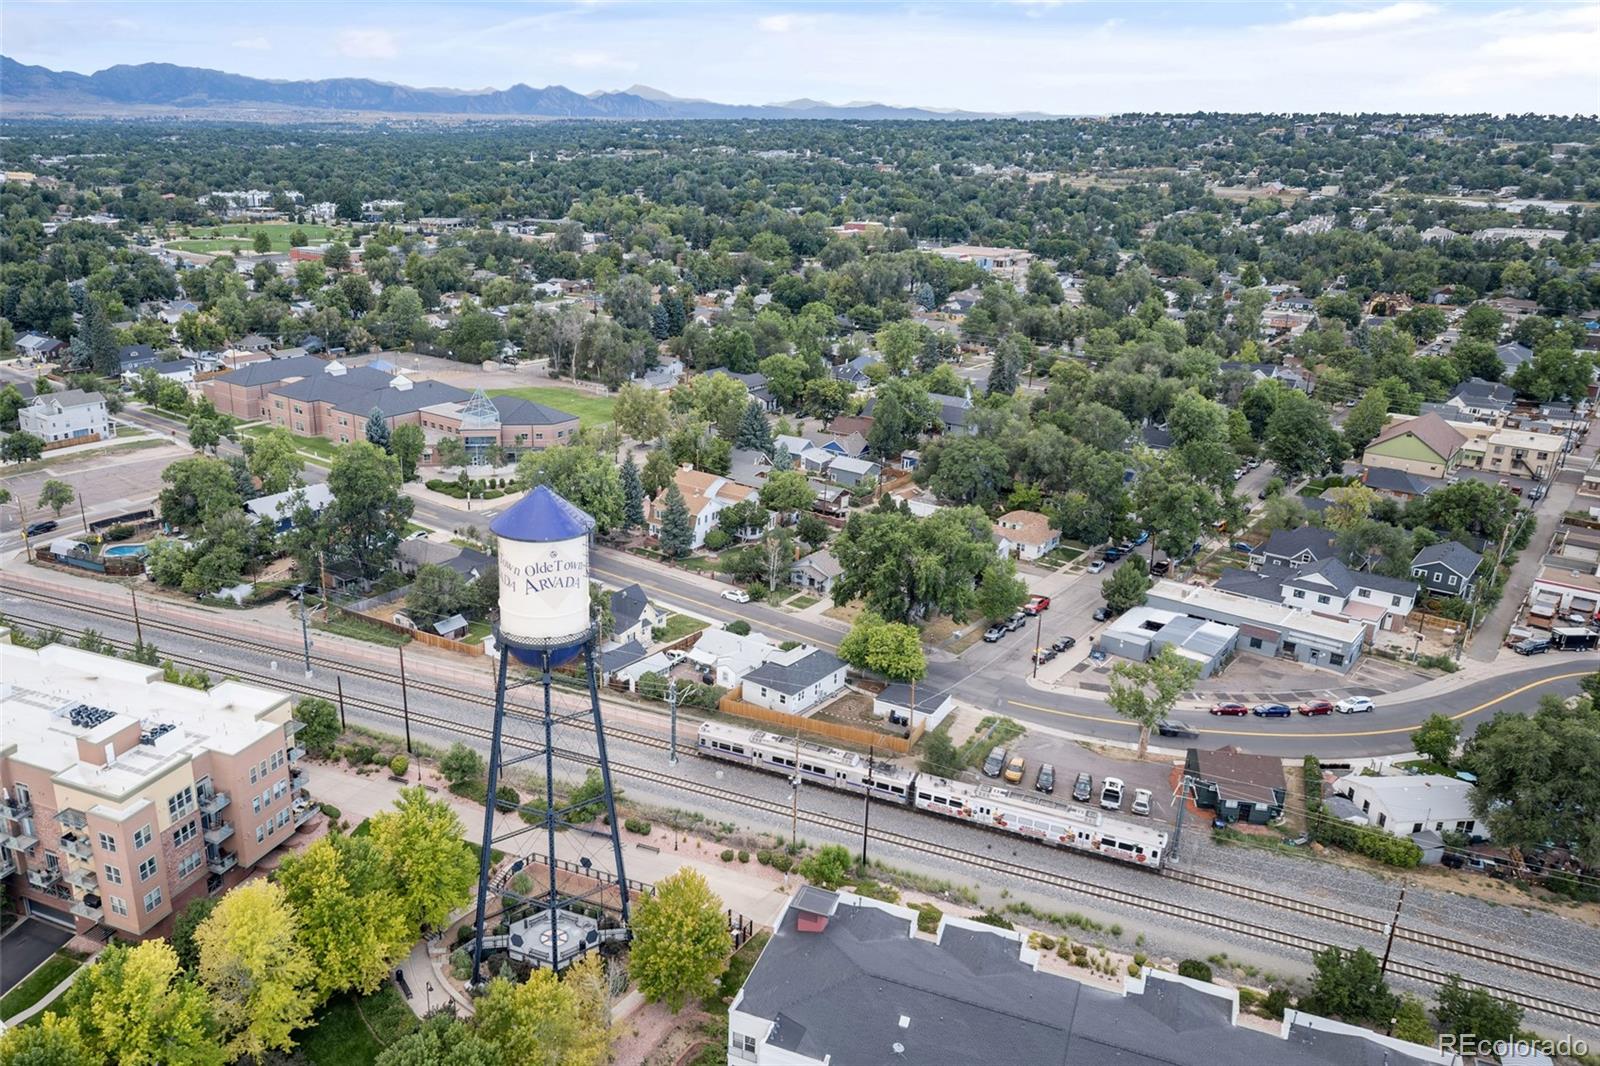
(123, 797)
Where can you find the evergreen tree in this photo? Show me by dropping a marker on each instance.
(99, 343)
(632, 496)
(677, 313)
(754, 432)
(677, 531)
(781, 459)
(378, 429)
(660, 322)
(1008, 358)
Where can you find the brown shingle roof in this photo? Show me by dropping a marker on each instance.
(1241, 776)
(1430, 429)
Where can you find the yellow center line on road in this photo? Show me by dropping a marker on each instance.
(1277, 733)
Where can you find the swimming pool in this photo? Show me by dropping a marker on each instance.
(120, 551)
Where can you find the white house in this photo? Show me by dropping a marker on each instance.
(1406, 805)
(65, 416)
(932, 708)
(728, 657)
(1330, 587)
(795, 683)
(1027, 533)
(706, 496)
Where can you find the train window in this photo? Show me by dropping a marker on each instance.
(924, 796)
(1121, 846)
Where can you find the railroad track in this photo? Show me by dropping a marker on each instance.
(1197, 916)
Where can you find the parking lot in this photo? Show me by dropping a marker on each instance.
(1071, 758)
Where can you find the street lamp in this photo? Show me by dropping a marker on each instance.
(429, 993)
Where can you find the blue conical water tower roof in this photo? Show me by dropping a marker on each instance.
(542, 516)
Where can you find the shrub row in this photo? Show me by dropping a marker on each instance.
(1324, 828)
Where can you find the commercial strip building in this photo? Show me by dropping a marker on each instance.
(1265, 628)
(848, 980)
(1142, 632)
(125, 796)
(1404, 805)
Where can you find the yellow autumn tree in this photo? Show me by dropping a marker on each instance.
(680, 940)
(135, 1006)
(347, 913)
(421, 843)
(54, 1041)
(543, 1020)
(258, 973)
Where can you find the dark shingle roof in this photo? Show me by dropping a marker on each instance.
(1287, 543)
(1450, 554)
(361, 390)
(622, 655)
(1257, 584)
(1385, 479)
(803, 672)
(1345, 580)
(271, 371)
(627, 605)
(515, 411)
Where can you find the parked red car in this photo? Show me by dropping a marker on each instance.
(1035, 605)
(1236, 709)
(1316, 707)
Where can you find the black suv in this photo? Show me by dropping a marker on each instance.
(35, 528)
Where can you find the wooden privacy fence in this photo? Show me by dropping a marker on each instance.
(432, 640)
(792, 723)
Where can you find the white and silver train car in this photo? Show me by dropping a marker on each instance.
(1078, 828)
(816, 763)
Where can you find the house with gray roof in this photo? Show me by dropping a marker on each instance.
(795, 683)
(1482, 401)
(755, 384)
(1293, 548)
(848, 980)
(1513, 355)
(816, 572)
(1332, 588)
(1396, 484)
(633, 616)
(1448, 568)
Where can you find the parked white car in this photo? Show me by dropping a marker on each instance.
(1097, 566)
(1111, 793)
(1353, 705)
(1141, 801)
(736, 595)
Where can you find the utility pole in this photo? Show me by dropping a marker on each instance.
(1038, 645)
(672, 706)
(1383, 968)
(82, 517)
(305, 633)
(138, 626)
(1175, 849)
(405, 702)
(866, 813)
(338, 680)
(322, 565)
(794, 802)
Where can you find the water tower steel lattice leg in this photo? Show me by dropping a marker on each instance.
(570, 934)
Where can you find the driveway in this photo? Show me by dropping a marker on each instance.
(28, 944)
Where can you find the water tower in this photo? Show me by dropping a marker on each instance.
(546, 623)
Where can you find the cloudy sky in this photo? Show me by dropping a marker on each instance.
(1041, 55)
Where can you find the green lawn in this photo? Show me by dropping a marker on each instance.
(315, 448)
(33, 988)
(678, 626)
(801, 602)
(242, 235)
(345, 626)
(353, 1030)
(590, 409)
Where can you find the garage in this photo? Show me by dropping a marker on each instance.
(58, 915)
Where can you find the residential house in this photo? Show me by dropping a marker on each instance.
(933, 705)
(1481, 401)
(1238, 786)
(663, 377)
(1519, 453)
(470, 563)
(847, 979)
(816, 572)
(71, 415)
(37, 346)
(1426, 445)
(172, 311)
(1294, 548)
(854, 372)
(133, 358)
(1026, 534)
(633, 616)
(953, 412)
(1395, 484)
(845, 470)
(1410, 804)
(1158, 438)
(180, 370)
(795, 683)
(1332, 588)
(1448, 568)
(1512, 355)
(706, 495)
(281, 507)
(728, 657)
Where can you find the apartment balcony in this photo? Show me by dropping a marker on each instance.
(82, 878)
(83, 908)
(43, 876)
(305, 814)
(292, 726)
(77, 848)
(212, 802)
(71, 818)
(7, 866)
(296, 754)
(20, 840)
(215, 832)
(16, 809)
(221, 863)
(299, 779)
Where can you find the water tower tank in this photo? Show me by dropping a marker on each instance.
(544, 573)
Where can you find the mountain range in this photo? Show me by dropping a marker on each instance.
(147, 88)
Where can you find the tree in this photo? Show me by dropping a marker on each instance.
(434, 870)
(677, 531)
(99, 342)
(53, 1041)
(461, 765)
(893, 649)
(787, 492)
(829, 867)
(754, 431)
(136, 1006)
(20, 447)
(209, 427)
(907, 568)
(1127, 585)
(255, 971)
(184, 926)
(580, 475)
(377, 429)
(451, 451)
(274, 460)
(940, 756)
(1174, 507)
(825, 398)
(321, 726)
(1145, 693)
(441, 1040)
(1000, 591)
(1556, 372)
(55, 495)
(1436, 739)
(347, 916)
(1349, 507)
(196, 491)
(899, 342)
(436, 592)
(367, 518)
(1299, 437)
(641, 413)
(541, 1020)
(1536, 779)
(680, 940)
(1366, 420)
(632, 496)
(1464, 1010)
(406, 444)
(968, 469)
(1482, 322)
(260, 242)
(1349, 986)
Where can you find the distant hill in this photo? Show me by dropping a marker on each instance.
(148, 87)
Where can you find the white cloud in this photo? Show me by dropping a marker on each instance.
(1361, 21)
(783, 23)
(366, 44)
(253, 44)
